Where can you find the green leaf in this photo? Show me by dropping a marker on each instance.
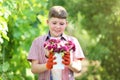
(5, 66)
(0, 68)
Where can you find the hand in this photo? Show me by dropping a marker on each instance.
(50, 60)
(66, 58)
(46, 53)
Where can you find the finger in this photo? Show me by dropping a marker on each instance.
(66, 56)
(66, 59)
(65, 62)
(49, 66)
(54, 58)
(50, 55)
(51, 59)
(54, 63)
(67, 53)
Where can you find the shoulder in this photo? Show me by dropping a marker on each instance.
(40, 39)
(71, 38)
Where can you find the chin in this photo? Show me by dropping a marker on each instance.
(56, 35)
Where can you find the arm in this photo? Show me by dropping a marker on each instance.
(75, 66)
(37, 68)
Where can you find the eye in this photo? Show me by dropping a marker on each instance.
(61, 23)
(54, 23)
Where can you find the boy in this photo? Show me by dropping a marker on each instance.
(42, 62)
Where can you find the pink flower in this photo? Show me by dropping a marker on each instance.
(56, 45)
(64, 48)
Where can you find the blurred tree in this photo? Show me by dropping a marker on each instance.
(55, 2)
(103, 18)
(24, 22)
(96, 24)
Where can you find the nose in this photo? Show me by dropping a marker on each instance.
(57, 26)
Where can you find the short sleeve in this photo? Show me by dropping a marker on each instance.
(33, 52)
(78, 54)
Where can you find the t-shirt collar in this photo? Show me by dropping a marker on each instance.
(63, 36)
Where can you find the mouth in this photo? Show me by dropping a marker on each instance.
(57, 31)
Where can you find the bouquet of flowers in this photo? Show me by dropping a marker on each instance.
(58, 48)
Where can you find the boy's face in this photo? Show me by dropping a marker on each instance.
(56, 26)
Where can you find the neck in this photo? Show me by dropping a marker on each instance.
(53, 35)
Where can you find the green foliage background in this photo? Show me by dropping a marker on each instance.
(95, 23)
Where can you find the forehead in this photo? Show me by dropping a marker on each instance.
(57, 19)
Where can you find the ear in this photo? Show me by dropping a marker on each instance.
(66, 23)
(47, 21)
